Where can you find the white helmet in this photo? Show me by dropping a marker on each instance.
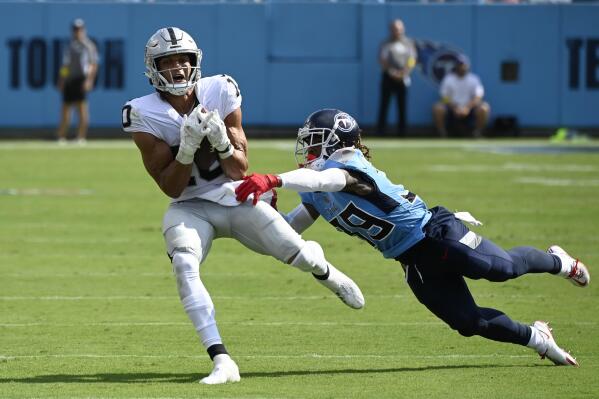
(167, 41)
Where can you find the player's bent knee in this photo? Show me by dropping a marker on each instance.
(183, 239)
(471, 327)
(310, 257)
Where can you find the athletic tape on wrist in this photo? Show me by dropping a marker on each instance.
(184, 157)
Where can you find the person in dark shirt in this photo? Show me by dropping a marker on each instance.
(76, 79)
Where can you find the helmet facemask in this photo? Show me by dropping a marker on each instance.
(166, 42)
(310, 142)
(160, 82)
(324, 132)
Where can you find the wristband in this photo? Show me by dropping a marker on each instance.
(226, 153)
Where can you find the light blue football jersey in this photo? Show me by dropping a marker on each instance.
(390, 218)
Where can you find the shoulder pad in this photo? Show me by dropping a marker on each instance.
(131, 117)
(233, 87)
(344, 155)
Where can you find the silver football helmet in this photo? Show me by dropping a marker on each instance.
(167, 41)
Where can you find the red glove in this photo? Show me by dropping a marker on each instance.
(256, 184)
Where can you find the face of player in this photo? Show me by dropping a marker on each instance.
(314, 152)
(315, 149)
(176, 68)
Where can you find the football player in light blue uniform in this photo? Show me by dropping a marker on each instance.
(390, 217)
(337, 181)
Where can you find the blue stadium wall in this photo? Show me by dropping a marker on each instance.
(291, 58)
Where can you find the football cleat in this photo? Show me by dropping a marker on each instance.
(572, 268)
(225, 370)
(549, 348)
(344, 287)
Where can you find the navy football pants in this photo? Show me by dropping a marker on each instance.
(436, 267)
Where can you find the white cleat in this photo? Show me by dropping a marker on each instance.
(572, 268)
(549, 349)
(225, 370)
(344, 287)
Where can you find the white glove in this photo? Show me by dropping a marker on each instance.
(191, 135)
(468, 218)
(214, 128)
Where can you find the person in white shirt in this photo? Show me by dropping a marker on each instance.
(194, 156)
(461, 101)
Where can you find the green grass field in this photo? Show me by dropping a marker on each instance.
(89, 309)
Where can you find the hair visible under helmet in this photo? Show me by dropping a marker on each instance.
(165, 42)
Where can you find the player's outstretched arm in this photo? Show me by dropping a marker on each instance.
(300, 180)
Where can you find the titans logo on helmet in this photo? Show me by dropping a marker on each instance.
(344, 122)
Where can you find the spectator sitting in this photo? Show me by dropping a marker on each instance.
(461, 101)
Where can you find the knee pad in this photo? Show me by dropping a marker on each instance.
(311, 258)
(183, 239)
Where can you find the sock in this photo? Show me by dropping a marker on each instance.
(217, 349)
(324, 276)
(565, 265)
(537, 340)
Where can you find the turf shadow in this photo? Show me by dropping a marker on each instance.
(375, 371)
(137, 378)
(117, 378)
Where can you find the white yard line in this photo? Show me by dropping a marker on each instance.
(511, 167)
(226, 297)
(556, 182)
(281, 144)
(256, 324)
(289, 144)
(78, 240)
(167, 273)
(171, 297)
(236, 323)
(47, 192)
(300, 356)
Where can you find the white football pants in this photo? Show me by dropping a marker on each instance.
(189, 228)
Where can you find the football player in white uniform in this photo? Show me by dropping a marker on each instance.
(194, 156)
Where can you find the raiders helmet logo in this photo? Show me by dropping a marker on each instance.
(344, 122)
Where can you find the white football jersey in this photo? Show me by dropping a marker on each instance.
(151, 114)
